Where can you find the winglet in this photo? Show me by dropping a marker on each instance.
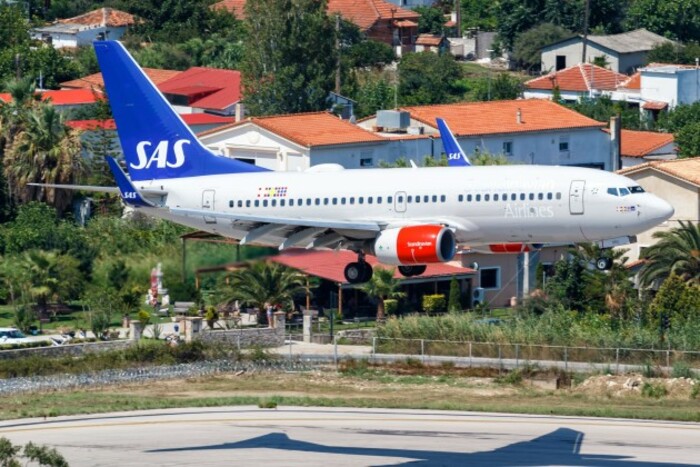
(455, 153)
(129, 193)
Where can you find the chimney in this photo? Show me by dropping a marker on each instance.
(240, 110)
(615, 143)
(519, 116)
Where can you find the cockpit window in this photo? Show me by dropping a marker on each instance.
(613, 191)
(636, 189)
(624, 191)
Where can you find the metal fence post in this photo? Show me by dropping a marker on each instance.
(470, 354)
(335, 351)
(517, 356)
(374, 345)
(617, 360)
(290, 346)
(422, 349)
(566, 359)
(668, 358)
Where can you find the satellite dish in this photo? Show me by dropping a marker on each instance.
(474, 266)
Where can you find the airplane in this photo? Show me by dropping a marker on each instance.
(560, 447)
(405, 217)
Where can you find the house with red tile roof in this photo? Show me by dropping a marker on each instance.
(100, 24)
(573, 83)
(526, 131)
(380, 20)
(64, 100)
(432, 43)
(676, 181)
(639, 147)
(201, 89)
(661, 86)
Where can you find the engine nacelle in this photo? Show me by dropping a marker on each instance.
(506, 248)
(419, 244)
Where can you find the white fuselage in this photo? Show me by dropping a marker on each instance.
(483, 205)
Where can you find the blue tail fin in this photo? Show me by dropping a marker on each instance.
(455, 154)
(157, 144)
(129, 194)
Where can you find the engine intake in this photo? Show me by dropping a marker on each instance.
(420, 244)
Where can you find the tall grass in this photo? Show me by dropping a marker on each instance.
(554, 327)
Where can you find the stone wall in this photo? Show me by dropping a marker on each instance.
(73, 350)
(242, 338)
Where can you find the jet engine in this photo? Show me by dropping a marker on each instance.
(419, 244)
(506, 248)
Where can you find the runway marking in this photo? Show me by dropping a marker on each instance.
(341, 419)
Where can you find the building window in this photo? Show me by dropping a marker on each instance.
(563, 144)
(508, 148)
(561, 62)
(366, 162)
(490, 278)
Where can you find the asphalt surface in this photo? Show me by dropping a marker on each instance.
(292, 436)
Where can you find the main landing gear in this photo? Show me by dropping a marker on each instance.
(358, 272)
(410, 271)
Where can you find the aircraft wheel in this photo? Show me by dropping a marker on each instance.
(354, 273)
(603, 264)
(410, 271)
(367, 271)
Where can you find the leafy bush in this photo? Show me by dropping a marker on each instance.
(655, 391)
(681, 370)
(144, 317)
(25, 345)
(434, 303)
(391, 306)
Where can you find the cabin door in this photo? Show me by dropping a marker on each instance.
(576, 197)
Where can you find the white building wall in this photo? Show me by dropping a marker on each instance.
(657, 86)
(688, 86)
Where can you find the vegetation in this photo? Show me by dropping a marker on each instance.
(679, 19)
(42, 455)
(382, 286)
(527, 48)
(428, 78)
(675, 252)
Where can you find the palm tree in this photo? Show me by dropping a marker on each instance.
(262, 283)
(383, 285)
(677, 251)
(44, 151)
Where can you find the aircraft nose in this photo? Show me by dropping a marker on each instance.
(659, 209)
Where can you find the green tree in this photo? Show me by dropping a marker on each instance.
(568, 285)
(679, 19)
(527, 49)
(263, 283)
(42, 455)
(681, 116)
(603, 108)
(677, 251)
(688, 140)
(502, 87)
(431, 21)
(669, 52)
(374, 95)
(53, 277)
(486, 158)
(454, 303)
(291, 66)
(44, 151)
(428, 78)
(479, 14)
(381, 286)
(369, 53)
(676, 300)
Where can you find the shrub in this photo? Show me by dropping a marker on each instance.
(681, 370)
(434, 303)
(391, 306)
(144, 317)
(656, 391)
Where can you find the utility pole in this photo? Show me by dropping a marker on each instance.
(585, 30)
(458, 17)
(337, 51)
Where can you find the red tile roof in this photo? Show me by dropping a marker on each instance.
(95, 80)
(643, 143)
(498, 117)
(237, 7)
(431, 40)
(310, 129)
(684, 169)
(329, 264)
(580, 78)
(189, 119)
(102, 17)
(222, 88)
(63, 97)
(654, 105)
(364, 13)
(634, 82)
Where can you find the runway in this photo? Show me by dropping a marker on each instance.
(295, 436)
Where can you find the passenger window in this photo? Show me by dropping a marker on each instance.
(443, 198)
(389, 199)
(486, 197)
(335, 201)
(361, 200)
(247, 203)
(495, 197)
(325, 201)
(264, 203)
(230, 204)
(369, 200)
(417, 199)
(522, 196)
(469, 198)
(379, 200)
(559, 195)
(434, 198)
(291, 202)
(532, 196)
(300, 202)
(308, 201)
(352, 200)
(342, 200)
(274, 203)
(478, 197)
(513, 196)
(400, 199)
(409, 199)
(426, 199)
(318, 201)
(257, 203)
(612, 191)
(282, 203)
(460, 198)
(540, 196)
(240, 203)
(549, 196)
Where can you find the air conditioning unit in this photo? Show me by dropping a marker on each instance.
(478, 296)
